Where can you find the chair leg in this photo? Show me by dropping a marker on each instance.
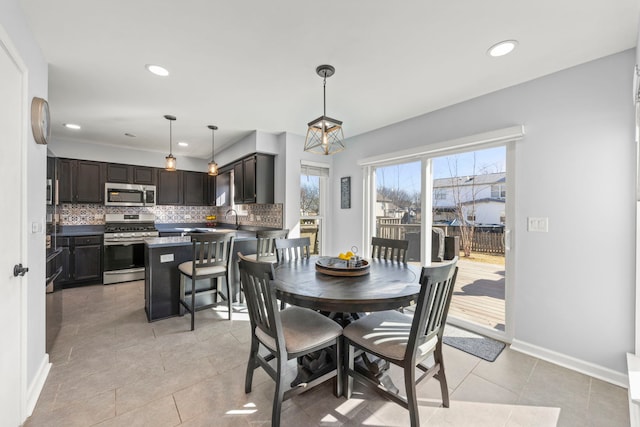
(229, 297)
(440, 376)
(339, 366)
(182, 294)
(251, 365)
(412, 400)
(278, 396)
(193, 302)
(348, 379)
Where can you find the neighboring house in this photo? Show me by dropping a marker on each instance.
(482, 198)
(386, 208)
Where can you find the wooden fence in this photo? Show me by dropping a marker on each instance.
(485, 239)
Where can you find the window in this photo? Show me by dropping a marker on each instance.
(439, 194)
(498, 191)
(313, 183)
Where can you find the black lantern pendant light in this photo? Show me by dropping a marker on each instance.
(324, 135)
(213, 166)
(170, 161)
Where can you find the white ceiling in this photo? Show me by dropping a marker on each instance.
(250, 64)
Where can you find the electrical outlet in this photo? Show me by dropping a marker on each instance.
(540, 224)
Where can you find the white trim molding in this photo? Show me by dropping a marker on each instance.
(569, 362)
(36, 386)
(486, 139)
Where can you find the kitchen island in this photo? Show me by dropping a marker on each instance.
(162, 255)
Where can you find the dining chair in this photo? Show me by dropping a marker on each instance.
(210, 260)
(389, 249)
(288, 334)
(293, 248)
(266, 249)
(406, 341)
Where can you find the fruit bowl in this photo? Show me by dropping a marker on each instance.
(335, 266)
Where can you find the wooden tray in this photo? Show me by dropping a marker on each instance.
(333, 266)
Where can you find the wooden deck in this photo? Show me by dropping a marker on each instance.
(478, 295)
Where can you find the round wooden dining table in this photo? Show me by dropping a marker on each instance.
(387, 286)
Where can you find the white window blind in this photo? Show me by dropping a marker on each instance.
(314, 170)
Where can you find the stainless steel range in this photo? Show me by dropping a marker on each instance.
(124, 236)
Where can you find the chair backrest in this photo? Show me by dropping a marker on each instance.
(293, 249)
(389, 249)
(266, 243)
(433, 303)
(210, 249)
(256, 278)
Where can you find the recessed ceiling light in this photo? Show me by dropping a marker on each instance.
(130, 135)
(71, 126)
(502, 48)
(183, 144)
(157, 70)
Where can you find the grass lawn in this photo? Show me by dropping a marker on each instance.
(483, 257)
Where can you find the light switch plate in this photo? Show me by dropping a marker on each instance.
(539, 224)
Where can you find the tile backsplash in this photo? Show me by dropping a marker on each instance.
(261, 215)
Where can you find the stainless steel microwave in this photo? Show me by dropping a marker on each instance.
(116, 194)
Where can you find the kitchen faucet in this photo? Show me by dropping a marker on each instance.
(234, 211)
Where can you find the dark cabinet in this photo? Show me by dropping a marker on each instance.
(238, 183)
(211, 190)
(65, 180)
(81, 181)
(253, 179)
(81, 260)
(195, 185)
(129, 174)
(144, 175)
(118, 173)
(222, 190)
(170, 191)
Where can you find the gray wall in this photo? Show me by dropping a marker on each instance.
(575, 285)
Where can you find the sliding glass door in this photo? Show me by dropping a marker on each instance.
(447, 205)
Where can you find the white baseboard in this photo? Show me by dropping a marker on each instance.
(587, 368)
(35, 388)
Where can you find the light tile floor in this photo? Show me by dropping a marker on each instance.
(113, 368)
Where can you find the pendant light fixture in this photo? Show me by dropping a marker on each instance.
(170, 161)
(213, 166)
(324, 135)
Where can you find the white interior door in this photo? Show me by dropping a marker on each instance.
(11, 246)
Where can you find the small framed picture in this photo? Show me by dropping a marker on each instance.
(345, 192)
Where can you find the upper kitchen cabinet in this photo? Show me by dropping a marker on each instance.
(211, 190)
(81, 181)
(195, 188)
(144, 175)
(170, 191)
(222, 190)
(118, 173)
(253, 179)
(130, 174)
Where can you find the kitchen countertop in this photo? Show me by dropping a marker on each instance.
(157, 242)
(80, 230)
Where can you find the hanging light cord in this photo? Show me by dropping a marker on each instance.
(324, 94)
(170, 137)
(212, 143)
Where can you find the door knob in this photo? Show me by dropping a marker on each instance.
(19, 270)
